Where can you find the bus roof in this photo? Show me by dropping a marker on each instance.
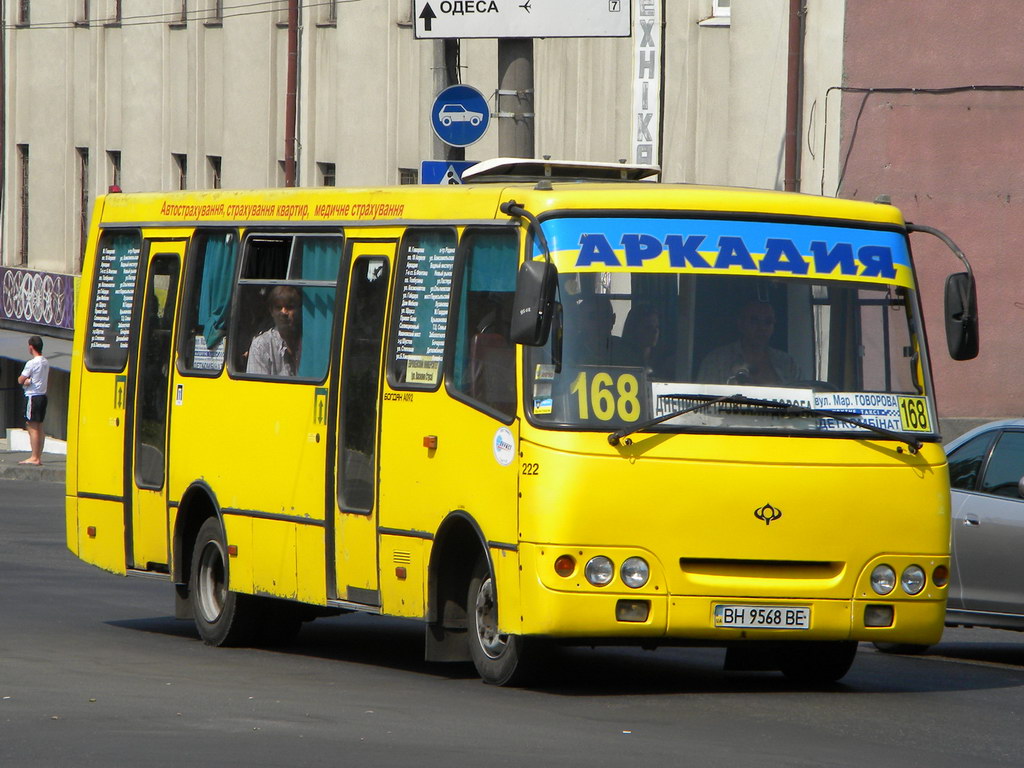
(400, 205)
(518, 169)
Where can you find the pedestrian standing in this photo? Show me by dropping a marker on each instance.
(33, 379)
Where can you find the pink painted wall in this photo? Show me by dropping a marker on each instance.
(953, 161)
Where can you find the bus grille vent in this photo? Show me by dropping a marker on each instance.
(761, 569)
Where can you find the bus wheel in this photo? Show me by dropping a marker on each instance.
(497, 657)
(222, 617)
(817, 663)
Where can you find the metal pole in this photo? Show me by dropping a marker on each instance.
(515, 97)
(793, 95)
(291, 96)
(453, 76)
(3, 132)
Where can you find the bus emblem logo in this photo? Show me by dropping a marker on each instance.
(767, 513)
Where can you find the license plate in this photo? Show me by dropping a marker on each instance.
(763, 616)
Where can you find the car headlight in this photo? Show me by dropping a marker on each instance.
(913, 579)
(883, 579)
(599, 571)
(635, 572)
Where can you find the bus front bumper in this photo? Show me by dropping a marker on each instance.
(649, 619)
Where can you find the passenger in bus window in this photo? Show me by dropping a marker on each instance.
(590, 328)
(276, 351)
(750, 359)
(640, 335)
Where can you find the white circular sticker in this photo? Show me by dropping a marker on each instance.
(504, 447)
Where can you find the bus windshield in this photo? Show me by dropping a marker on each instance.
(632, 345)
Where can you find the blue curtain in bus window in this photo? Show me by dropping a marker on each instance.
(218, 276)
(319, 259)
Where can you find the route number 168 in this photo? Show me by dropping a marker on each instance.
(607, 397)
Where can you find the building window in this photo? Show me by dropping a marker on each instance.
(23, 203)
(115, 17)
(215, 12)
(114, 156)
(83, 203)
(181, 169)
(83, 20)
(329, 11)
(328, 174)
(24, 17)
(721, 14)
(408, 176)
(213, 162)
(180, 18)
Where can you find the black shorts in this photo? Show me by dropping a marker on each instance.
(36, 408)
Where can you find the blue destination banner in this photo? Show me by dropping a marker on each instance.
(703, 246)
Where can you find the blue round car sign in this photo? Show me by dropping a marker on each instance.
(460, 115)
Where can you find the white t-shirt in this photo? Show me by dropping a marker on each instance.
(38, 371)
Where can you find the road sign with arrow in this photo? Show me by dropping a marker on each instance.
(522, 18)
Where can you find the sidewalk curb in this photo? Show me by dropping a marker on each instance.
(52, 471)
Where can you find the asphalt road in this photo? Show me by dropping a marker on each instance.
(94, 671)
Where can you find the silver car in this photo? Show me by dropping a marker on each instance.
(986, 473)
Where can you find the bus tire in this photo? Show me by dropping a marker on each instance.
(818, 663)
(221, 616)
(499, 659)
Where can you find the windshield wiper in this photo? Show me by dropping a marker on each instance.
(790, 409)
(705, 401)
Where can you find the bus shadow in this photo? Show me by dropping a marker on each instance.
(610, 671)
(1008, 654)
(356, 639)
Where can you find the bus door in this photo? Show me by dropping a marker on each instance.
(153, 363)
(355, 507)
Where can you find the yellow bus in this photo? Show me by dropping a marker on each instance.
(560, 403)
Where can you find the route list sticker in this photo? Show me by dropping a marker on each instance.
(423, 312)
(111, 320)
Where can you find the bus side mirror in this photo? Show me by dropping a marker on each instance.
(961, 316)
(535, 296)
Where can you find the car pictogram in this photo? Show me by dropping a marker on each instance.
(456, 113)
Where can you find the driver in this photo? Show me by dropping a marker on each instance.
(750, 359)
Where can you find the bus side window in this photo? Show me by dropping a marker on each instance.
(284, 308)
(484, 367)
(207, 301)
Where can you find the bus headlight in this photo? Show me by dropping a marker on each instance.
(599, 571)
(883, 579)
(635, 572)
(913, 579)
